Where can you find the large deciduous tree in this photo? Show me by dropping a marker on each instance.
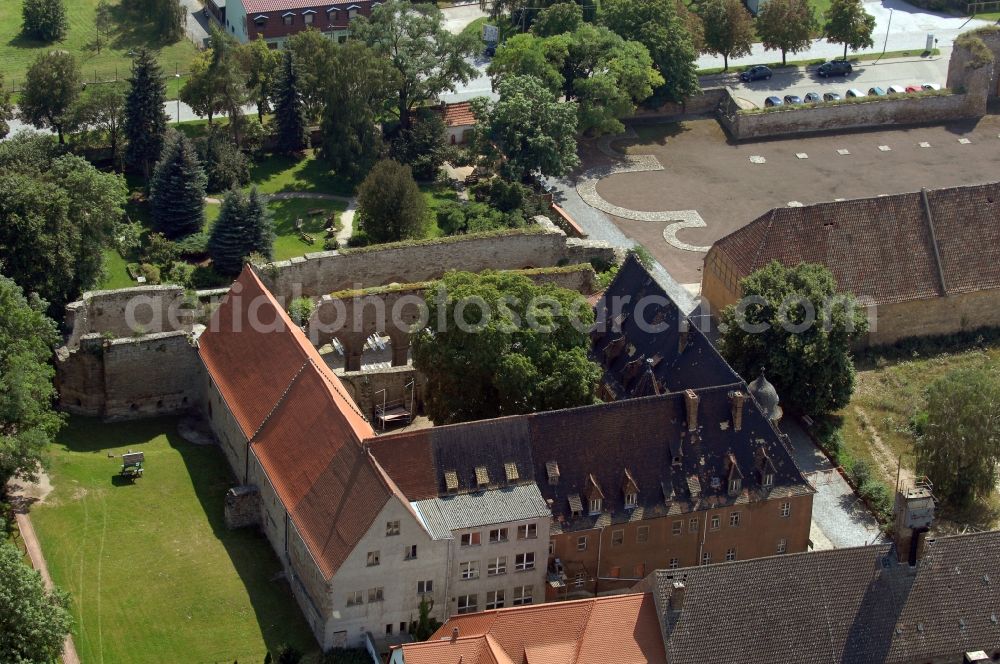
(729, 29)
(51, 86)
(33, 621)
(313, 54)
(558, 19)
(27, 420)
(260, 66)
(848, 23)
(101, 108)
(528, 130)
(959, 447)
(786, 26)
(530, 55)
(507, 346)
(243, 228)
(145, 119)
(390, 205)
(45, 20)
(655, 25)
(428, 59)
(291, 125)
(793, 322)
(177, 190)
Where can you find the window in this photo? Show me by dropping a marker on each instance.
(497, 566)
(524, 561)
(673, 563)
(288, 19)
(498, 535)
(332, 15)
(425, 586)
(527, 531)
(735, 485)
(402, 628)
(617, 537)
(552, 546)
(715, 522)
(768, 479)
(467, 604)
(734, 519)
(642, 534)
(375, 594)
(471, 539)
(355, 598)
(786, 509)
(259, 21)
(373, 557)
(581, 543)
(494, 599)
(693, 525)
(522, 595)
(595, 505)
(731, 553)
(308, 18)
(388, 628)
(352, 12)
(631, 500)
(706, 558)
(579, 580)
(410, 552)
(391, 528)
(782, 545)
(676, 527)
(469, 569)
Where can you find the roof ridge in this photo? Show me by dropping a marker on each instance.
(350, 402)
(929, 217)
(578, 646)
(281, 400)
(763, 238)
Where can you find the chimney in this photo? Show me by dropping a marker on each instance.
(736, 400)
(914, 517)
(454, 635)
(683, 330)
(691, 403)
(677, 596)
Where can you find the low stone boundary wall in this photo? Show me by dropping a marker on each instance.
(700, 104)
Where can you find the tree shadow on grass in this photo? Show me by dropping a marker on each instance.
(312, 176)
(133, 29)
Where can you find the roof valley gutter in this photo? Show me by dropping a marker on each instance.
(934, 243)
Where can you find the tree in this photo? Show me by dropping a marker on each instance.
(6, 109)
(428, 59)
(102, 23)
(692, 23)
(507, 346)
(959, 448)
(558, 19)
(34, 622)
(225, 164)
(289, 109)
(313, 53)
(177, 190)
(260, 65)
(198, 90)
(796, 325)
(168, 18)
(28, 422)
(656, 25)
(145, 119)
(530, 55)
(786, 26)
(390, 205)
(243, 228)
(425, 625)
(423, 146)
(527, 131)
(729, 29)
(227, 78)
(45, 20)
(102, 108)
(57, 213)
(51, 86)
(849, 24)
(362, 88)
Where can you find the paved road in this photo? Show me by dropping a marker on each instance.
(196, 24)
(459, 16)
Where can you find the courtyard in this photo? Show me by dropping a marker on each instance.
(704, 173)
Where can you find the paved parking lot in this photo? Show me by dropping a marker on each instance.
(704, 172)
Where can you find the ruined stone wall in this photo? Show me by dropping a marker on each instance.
(973, 68)
(108, 312)
(365, 388)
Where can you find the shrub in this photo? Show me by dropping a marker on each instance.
(860, 473)
(45, 20)
(879, 497)
(159, 250)
(301, 310)
(195, 244)
(225, 165)
(151, 272)
(390, 205)
(179, 273)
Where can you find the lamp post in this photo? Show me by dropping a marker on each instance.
(178, 76)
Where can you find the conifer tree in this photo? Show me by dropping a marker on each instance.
(243, 228)
(145, 119)
(177, 191)
(289, 109)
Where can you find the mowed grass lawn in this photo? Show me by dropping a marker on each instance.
(128, 32)
(154, 574)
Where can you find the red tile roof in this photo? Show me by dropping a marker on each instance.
(459, 115)
(258, 6)
(622, 629)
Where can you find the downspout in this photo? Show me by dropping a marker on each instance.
(246, 464)
(597, 572)
(447, 578)
(701, 546)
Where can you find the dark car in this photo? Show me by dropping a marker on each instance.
(793, 99)
(835, 68)
(831, 96)
(812, 98)
(773, 101)
(756, 73)
(876, 92)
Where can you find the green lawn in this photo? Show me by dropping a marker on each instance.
(434, 196)
(153, 572)
(130, 31)
(287, 243)
(277, 173)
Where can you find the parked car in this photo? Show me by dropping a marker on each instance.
(793, 99)
(914, 88)
(854, 92)
(931, 86)
(773, 101)
(896, 90)
(876, 92)
(812, 97)
(831, 96)
(756, 73)
(835, 68)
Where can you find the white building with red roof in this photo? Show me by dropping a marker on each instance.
(277, 20)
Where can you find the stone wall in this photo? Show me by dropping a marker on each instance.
(365, 388)
(935, 316)
(242, 507)
(962, 68)
(153, 308)
(700, 104)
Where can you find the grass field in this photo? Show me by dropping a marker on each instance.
(154, 574)
(277, 173)
(287, 243)
(129, 32)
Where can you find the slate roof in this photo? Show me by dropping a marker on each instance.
(471, 510)
(622, 629)
(882, 247)
(852, 605)
(639, 328)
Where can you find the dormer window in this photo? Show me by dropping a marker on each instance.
(716, 483)
(332, 14)
(631, 500)
(451, 481)
(308, 16)
(631, 490)
(260, 21)
(510, 469)
(552, 470)
(288, 18)
(596, 505)
(352, 11)
(768, 479)
(575, 505)
(735, 485)
(482, 476)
